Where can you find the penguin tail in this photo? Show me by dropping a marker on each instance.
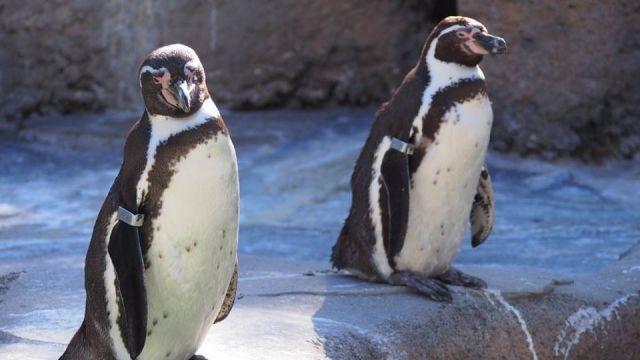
(78, 347)
(340, 248)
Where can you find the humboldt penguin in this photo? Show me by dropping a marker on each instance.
(161, 265)
(420, 177)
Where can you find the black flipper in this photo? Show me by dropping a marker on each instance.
(125, 251)
(482, 210)
(394, 201)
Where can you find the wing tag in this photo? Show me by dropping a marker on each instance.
(401, 146)
(130, 218)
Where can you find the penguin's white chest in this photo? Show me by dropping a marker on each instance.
(193, 251)
(443, 188)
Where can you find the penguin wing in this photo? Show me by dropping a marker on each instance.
(394, 201)
(125, 251)
(125, 240)
(229, 298)
(482, 210)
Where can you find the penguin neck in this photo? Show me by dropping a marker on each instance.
(162, 127)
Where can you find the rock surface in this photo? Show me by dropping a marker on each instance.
(83, 55)
(564, 88)
(299, 310)
(551, 262)
(295, 167)
(314, 52)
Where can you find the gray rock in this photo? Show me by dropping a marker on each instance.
(551, 262)
(295, 310)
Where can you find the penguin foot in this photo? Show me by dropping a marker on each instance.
(430, 287)
(198, 357)
(456, 277)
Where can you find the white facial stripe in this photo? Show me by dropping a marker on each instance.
(432, 46)
(153, 71)
(193, 64)
(448, 30)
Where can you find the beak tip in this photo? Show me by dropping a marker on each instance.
(183, 98)
(492, 44)
(500, 46)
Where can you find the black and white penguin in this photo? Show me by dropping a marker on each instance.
(420, 178)
(161, 266)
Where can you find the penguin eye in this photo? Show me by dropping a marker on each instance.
(192, 74)
(460, 34)
(157, 78)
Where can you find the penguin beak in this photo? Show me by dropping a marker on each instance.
(183, 96)
(492, 44)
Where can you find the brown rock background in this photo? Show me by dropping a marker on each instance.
(83, 55)
(567, 87)
(570, 83)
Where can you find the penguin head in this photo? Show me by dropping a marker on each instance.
(172, 81)
(464, 41)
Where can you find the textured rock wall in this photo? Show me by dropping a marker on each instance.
(48, 52)
(569, 84)
(567, 87)
(315, 52)
(82, 55)
(65, 56)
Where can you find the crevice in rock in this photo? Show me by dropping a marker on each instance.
(510, 308)
(442, 9)
(359, 292)
(6, 279)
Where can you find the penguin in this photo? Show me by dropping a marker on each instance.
(161, 266)
(420, 177)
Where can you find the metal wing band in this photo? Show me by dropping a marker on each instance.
(401, 146)
(130, 218)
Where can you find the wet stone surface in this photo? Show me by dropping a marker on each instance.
(294, 173)
(562, 222)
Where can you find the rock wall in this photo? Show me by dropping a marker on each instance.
(65, 56)
(569, 84)
(82, 55)
(311, 53)
(567, 87)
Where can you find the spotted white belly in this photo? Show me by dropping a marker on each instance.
(443, 188)
(193, 252)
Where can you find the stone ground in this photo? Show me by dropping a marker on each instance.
(558, 285)
(302, 310)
